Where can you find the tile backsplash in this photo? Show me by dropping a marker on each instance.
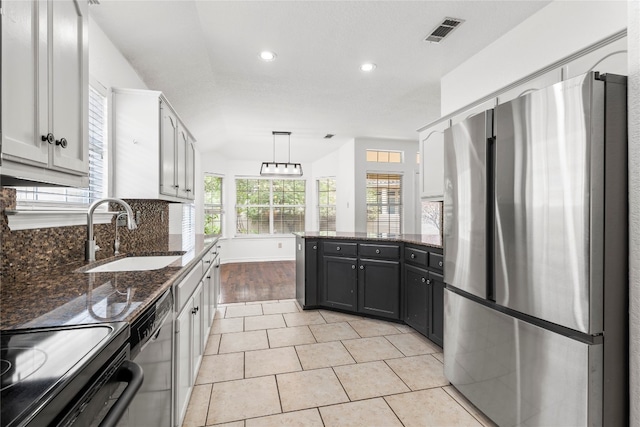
(24, 252)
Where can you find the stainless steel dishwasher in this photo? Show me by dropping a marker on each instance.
(152, 349)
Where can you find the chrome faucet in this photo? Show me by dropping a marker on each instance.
(90, 247)
(116, 242)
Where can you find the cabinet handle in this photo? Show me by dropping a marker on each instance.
(362, 267)
(424, 280)
(413, 256)
(48, 138)
(337, 248)
(315, 247)
(208, 262)
(208, 277)
(353, 267)
(187, 190)
(440, 263)
(62, 142)
(377, 251)
(194, 310)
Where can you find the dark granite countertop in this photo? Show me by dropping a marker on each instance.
(68, 296)
(418, 239)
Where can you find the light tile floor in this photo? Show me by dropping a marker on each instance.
(271, 364)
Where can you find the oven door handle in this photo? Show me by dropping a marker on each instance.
(131, 373)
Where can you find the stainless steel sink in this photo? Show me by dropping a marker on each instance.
(136, 263)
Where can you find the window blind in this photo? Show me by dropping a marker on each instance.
(384, 203)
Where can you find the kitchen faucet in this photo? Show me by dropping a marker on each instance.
(90, 247)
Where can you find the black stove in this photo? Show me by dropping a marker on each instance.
(45, 372)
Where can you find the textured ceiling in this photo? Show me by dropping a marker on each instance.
(204, 56)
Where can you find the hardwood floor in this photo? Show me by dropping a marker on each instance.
(257, 281)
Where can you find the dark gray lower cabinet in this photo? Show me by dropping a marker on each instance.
(416, 293)
(379, 288)
(340, 276)
(436, 308)
(424, 302)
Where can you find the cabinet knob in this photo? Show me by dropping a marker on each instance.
(428, 281)
(413, 256)
(176, 186)
(424, 280)
(62, 142)
(208, 277)
(440, 263)
(377, 251)
(315, 247)
(337, 248)
(353, 267)
(362, 267)
(208, 262)
(48, 138)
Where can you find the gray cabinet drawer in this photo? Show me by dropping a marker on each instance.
(436, 261)
(416, 256)
(340, 248)
(185, 288)
(379, 251)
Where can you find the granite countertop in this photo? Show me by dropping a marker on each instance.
(68, 296)
(418, 239)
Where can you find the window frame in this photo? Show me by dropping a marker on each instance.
(215, 208)
(270, 206)
(399, 206)
(326, 206)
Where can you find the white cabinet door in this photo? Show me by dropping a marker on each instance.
(24, 82)
(69, 84)
(190, 169)
(432, 159)
(198, 338)
(183, 362)
(181, 163)
(168, 137)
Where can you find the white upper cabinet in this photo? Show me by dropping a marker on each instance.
(545, 80)
(45, 92)
(432, 159)
(153, 151)
(610, 58)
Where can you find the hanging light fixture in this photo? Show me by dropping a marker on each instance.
(280, 169)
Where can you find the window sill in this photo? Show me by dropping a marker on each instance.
(31, 219)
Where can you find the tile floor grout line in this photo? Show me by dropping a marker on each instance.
(341, 385)
(396, 374)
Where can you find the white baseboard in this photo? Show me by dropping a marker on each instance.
(262, 259)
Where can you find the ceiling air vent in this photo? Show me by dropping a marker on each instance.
(443, 30)
(329, 136)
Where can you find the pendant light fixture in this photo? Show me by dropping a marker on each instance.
(280, 169)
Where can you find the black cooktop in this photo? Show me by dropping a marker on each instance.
(36, 365)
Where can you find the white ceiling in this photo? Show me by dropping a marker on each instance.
(204, 56)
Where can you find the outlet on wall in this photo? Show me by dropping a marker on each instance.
(279, 245)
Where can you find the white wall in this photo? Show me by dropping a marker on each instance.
(634, 208)
(106, 63)
(345, 191)
(553, 33)
(407, 169)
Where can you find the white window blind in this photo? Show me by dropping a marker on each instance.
(384, 203)
(188, 227)
(41, 197)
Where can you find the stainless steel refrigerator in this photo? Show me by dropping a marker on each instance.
(535, 251)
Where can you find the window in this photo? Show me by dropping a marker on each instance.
(188, 226)
(432, 221)
(384, 203)
(212, 205)
(380, 156)
(69, 197)
(326, 204)
(270, 206)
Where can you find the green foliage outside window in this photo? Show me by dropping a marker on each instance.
(212, 205)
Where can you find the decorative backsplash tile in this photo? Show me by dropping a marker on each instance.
(24, 252)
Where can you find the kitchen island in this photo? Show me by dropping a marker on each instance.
(395, 277)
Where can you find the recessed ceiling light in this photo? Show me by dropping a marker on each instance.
(267, 56)
(368, 67)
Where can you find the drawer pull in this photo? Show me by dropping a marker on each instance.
(353, 267)
(315, 247)
(337, 248)
(413, 256)
(362, 267)
(424, 280)
(428, 281)
(377, 251)
(440, 263)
